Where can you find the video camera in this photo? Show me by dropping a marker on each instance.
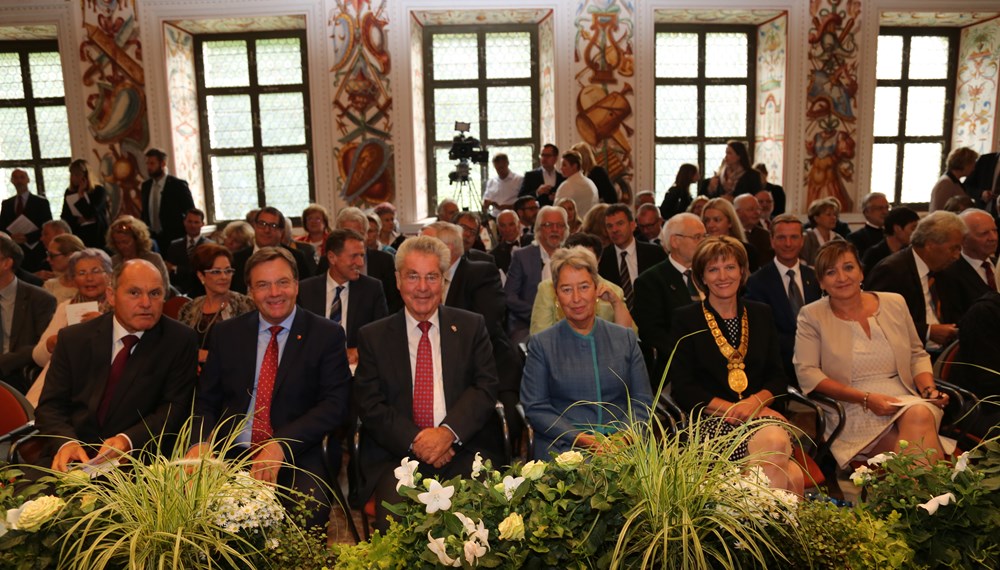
(463, 149)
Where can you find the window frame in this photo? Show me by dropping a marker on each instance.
(481, 83)
(904, 83)
(36, 163)
(254, 90)
(701, 82)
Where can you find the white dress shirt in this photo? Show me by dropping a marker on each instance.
(786, 280)
(503, 190)
(331, 289)
(630, 260)
(977, 266)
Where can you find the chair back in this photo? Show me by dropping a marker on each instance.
(943, 364)
(172, 307)
(15, 411)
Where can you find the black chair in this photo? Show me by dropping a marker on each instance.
(334, 464)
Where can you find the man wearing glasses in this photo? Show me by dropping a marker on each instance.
(543, 181)
(529, 266)
(436, 405)
(293, 393)
(269, 229)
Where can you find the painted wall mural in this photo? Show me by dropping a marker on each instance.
(714, 16)
(362, 101)
(114, 85)
(604, 65)
(185, 128)
(931, 19)
(831, 108)
(472, 16)
(769, 142)
(547, 94)
(976, 87)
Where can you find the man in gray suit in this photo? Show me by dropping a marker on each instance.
(529, 266)
(25, 311)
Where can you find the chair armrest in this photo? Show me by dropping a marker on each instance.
(27, 446)
(668, 410)
(528, 429)
(820, 403)
(508, 453)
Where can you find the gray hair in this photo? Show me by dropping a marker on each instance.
(869, 198)
(240, 230)
(443, 203)
(90, 253)
(508, 213)
(541, 214)
(937, 228)
(577, 257)
(450, 234)
(352, 214)
(674, 226)
(426, 245)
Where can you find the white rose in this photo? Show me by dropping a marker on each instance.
(569, 460)
(34, 514)
(512, 527)
(533, 470)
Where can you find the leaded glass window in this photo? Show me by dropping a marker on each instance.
(704, 96)
(35, 134)
(915, 73)
(487, 77)
(254, 122)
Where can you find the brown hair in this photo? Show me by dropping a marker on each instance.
(134, 226)
(203, 257)
(265, 254)
(830, 252)
(718, 247)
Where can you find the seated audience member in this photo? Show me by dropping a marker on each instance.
(596, 173)
(117, 381)
(33, 208)
(593, 223)
(446, 210)
(875, 208)
(748, 211)
(237, 235)
(378, 264)
(720, 219)
(178, 256)
(508, 241)
(648, 224)
(128, 238)
(974, 273)
(982, 183)
(645, 197)
(664, 287)
(26, 309)
(388, 234)
(678, 197)
(958, 204)
(91, 270)
(935, 244)
(529, 266)
(306, 249)
(371, 238)
(766, 201)
(776, 193)
(960, 164)
(573, 222)
(625, 258)
(542, 182)
(293, 393)
(473, 247)
(583, 376)
(269, 224)
(979, 337)
(213, 267)
(785, 284)
(85, 206)
(50, 230)
(823, 219)
(62, 285)
(547, 311)
(501, 190)
(343, 294)
(526, 208)
(861, 348)
(731, 368)
(697, 206)
(576, 186)
(316, 221)
(899, 224)
(437, 405)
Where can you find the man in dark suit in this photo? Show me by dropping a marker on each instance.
(529, 266)
(269, 228)
(165, 200)
(434, 400)
(473, 248)
(664, 287)
(974, 274)
(25, 311)
(983, 184)
(624, 259)
(509, 240)
(648, 224)
(935, 244)
(749, 212)
(178, 255)
(875, 208)
(773, 284)
(294, 393)
(343, 294)
(117, 381)
(378, 264)
(36, 209)
(526, 208)
(899, 224)
(543, 181)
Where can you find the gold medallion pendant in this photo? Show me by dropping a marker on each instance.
(737, 378)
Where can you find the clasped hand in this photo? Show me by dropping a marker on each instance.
(433, 446)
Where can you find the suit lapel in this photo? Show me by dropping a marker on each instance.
(450, 349)
(143, 355)
(396, 335)
(100, 351)
(457, 286)
(293, 349)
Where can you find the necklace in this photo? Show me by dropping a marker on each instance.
(737, 378)
(215, 316)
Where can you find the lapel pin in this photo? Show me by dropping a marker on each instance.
(454, 328)
(298, 337)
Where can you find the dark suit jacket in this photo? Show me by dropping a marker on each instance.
(382, 266)
(760, 239)
(365, 302)
(311, 389)
(241, 257)
(383, 390)
(646, 254)
(767, 286)
(605, 188)
(874, 255)
(981, 179)
(480, 256)
(175, 201)
(778, 193)
(865, 237)
(960, 284)
(33, 308)
(658, 291)
(675, 201)
(184, 277)
(898, 274)
(153, 394)
(38, 211)
(533, 179)
(95, 207)
(698, 372)
(520, 289)
(979, 338)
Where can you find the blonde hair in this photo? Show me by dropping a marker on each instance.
(587, 160)
(726, 207)
(134, 226)
(577, 257)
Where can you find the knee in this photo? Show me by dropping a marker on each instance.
(771, 439)
(918, 417)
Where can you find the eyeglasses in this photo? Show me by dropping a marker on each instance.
(51, 255)
(695, 237)
(262, 225)
(265, 286)
(94, 271)
(218, 271)
(553, 226)
(413, 278)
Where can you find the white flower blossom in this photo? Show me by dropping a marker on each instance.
(404, 473)
(33, 514)
(470, 527)
(510, 484)
(473, 550)
(961, 465)
(437, 498)
(932, 505)
(881, 458)
(861, 475)
(477, 465)
(569, 460)
(246, 504)
(533, 470)
(437, 546)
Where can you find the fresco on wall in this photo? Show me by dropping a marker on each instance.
(932, 19)
(976, 87)
(472, 16)
(114, 85)
(831, 109)
(770, 132)
(714, 16)
(237, 25)
(183, 95)
(362, 101)
(40, 32)
(604, 65)
(546, 61)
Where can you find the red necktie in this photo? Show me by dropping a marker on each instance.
(423, 381)
(117, 369)
(991, 280)
(262, 429)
